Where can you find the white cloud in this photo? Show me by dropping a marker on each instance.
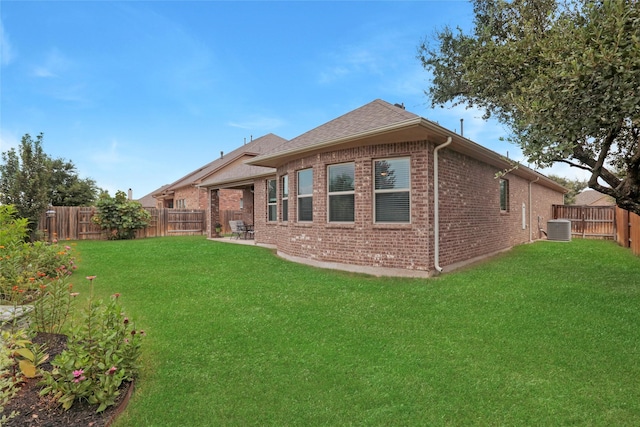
(263, 123)
(109, 156)
(53, 65)
(6, 50)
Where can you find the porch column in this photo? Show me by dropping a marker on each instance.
(214, 213)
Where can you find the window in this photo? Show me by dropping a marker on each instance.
(341, 192)
(305, 195)
(272, 200)
(181, 204)
(285, 198)
(392, 185)
(504, 195)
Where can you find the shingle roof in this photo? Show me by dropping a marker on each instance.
(590, 196)
(258, 146)
(374, 115)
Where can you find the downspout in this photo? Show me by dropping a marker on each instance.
(531, 212)
(436, 208)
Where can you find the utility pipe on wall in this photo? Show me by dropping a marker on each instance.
(531, 211)
(436, 208)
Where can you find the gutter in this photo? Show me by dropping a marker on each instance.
(531, 211)
(436, 207)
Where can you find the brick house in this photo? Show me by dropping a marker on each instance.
(384, 191)
(185, 193)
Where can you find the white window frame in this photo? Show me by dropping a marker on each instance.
(300, 196)
(377, 192)
(284, 182)
(340, 193)
(272, 204)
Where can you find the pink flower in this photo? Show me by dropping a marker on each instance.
(112, 370)
(142, 332)
(68, 248)
(78, 373)
(116, 295)
(126, 320)
(90, 278)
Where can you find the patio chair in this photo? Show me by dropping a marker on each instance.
(237, 229)
(240, 229)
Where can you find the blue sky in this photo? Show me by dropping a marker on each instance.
(139, 93)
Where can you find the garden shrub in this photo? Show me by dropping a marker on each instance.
(52, 305)
(102, 352)
(13, 230)
(7, 378)
(119, 216)
(25, 265)
(22, 264)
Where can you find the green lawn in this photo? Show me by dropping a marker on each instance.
(546, 334)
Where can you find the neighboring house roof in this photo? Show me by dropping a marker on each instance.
(149, 201)
(380, 122)
(591, 197)
(254, 148)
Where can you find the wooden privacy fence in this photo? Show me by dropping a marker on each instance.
(596, 222)
(603, 222)
(628, 230)
(74, 223)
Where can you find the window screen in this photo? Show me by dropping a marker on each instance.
(341, 192)
(392, 184)
(305, 195)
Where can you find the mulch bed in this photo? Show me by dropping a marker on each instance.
(35, 410)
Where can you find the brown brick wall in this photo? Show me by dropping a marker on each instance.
(471, 222)
(361, 243)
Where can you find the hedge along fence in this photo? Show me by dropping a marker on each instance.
(74, 223)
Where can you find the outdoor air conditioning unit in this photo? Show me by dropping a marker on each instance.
(559, 230)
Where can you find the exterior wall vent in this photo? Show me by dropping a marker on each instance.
(559, 230)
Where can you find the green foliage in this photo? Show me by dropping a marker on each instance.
(52, 305)
(24, 267)
(574, 186)
(563, 76)
(31, 180)
(8, 381)
(29, 356)
(24, 180)
(120, 217)
(102, 352)
(13, 230)
(67, 189)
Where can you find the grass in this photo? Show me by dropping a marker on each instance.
(546, 334)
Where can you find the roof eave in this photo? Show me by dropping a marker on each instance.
(236, 182)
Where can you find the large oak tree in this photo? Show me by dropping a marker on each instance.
(564, 76)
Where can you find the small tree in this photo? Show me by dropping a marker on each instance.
(67, 188)
(574, 186)
(119, 216)
(24, 180)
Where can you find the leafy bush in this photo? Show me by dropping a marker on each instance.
(102, 353)
(7, 378)
(25, 266)
(13, 230)
(119, 216)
